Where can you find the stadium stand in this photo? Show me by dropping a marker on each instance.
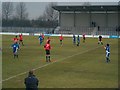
(88, 30)
(107, 31)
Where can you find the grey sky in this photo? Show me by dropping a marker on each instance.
(35, 9)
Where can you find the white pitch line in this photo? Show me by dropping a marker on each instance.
(48, 64)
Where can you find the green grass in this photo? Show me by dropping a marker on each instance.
(71, 66)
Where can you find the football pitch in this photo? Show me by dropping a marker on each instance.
(72, 66)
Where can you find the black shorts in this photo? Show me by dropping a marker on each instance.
(60, 40)
(100, 40)
(21, 40)
(47, 52)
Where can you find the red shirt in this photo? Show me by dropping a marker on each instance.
(61, 37)
(20, 36)
(43, 36)
(83, 35)
(47, 47)
(15, 39)
(48, 40)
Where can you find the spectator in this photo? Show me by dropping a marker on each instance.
(98, 28)
(31, 82)
(92, 23)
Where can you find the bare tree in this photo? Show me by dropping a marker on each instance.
(7, 10)
(42, 18)
(50, 13)
(21, 11)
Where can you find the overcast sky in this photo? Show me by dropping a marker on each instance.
(36, 8)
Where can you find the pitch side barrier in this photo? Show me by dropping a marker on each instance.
(65, 35)
(90, 36)
(6, 33)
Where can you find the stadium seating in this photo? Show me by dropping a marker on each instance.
(88, 30)
(107, 31)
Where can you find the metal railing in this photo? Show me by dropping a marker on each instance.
(27, 30)
(64, 30)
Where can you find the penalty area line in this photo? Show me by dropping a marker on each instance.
(49, 64)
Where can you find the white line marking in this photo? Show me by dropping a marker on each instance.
(48, 64)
